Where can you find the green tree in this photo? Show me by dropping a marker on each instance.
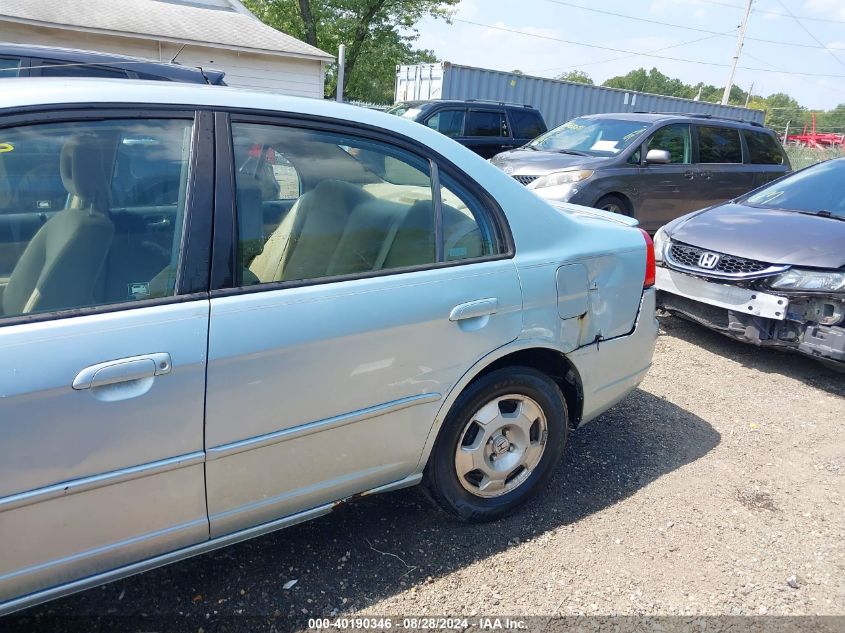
(655, 82)
(576, 76)
(782, 109)
(378, 35)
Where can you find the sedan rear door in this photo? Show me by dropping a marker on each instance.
(335, 335)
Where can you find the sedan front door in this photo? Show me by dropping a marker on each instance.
(103, 334)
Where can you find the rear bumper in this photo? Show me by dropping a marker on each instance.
(611, 369)
(751, 317)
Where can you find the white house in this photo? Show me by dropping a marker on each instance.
(216, 34)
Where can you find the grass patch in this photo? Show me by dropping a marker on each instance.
(801, 157)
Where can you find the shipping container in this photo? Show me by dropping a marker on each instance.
(558, 101)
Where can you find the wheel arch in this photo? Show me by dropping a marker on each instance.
(629, 204)
(536, 355)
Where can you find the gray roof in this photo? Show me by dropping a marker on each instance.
(162, 20)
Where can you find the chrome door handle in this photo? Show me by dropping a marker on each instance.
(474, 309)
(689, 174)
(123, 370)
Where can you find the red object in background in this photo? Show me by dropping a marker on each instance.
(817, 140)
(269, 154)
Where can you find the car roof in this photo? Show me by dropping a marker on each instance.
(661, 117)
(136, 64)
(43, 91)
(467, 102)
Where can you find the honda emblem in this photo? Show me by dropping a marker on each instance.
(708, 260)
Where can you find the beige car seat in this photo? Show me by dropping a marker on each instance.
(60, 265)
(303, 245)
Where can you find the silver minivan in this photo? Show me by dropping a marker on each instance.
(223, 312)
(652, 167)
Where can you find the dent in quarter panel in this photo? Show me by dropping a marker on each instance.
(617, 283)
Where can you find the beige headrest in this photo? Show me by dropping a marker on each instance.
(85, 170)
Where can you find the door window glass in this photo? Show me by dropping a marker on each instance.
(361, 207)
(527, 123)
(486, 123)
(9, 67)
(674, 139)
(90, 212)
(467, 229)
(719, 145)
(59, 69)
(763, 149)
(448, 122)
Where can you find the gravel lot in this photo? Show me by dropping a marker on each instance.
(715, 488)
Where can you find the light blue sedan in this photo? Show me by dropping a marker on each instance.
(224, 312)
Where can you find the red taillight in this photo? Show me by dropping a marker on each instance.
(650, 266)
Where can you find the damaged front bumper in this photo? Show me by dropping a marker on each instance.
(808, 324)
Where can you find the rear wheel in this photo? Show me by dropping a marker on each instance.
(498, 445)
(614, 204)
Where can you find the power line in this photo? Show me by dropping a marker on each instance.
(638, 54)
(807, 31)
(785, 15)
(616, 59)
(677, 26)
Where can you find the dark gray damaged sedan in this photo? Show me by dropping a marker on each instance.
(767, 268)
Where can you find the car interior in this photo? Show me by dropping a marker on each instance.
(89, 213)
(355, 207)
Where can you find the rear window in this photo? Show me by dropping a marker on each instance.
(486, 123)
(763, 149)
(527, 123)
(9, 67)
(719, 145)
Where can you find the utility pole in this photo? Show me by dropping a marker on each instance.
(341, 71)
(742, 27)
(748, 96)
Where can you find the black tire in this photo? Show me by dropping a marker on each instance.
(614, 203)
(441, 477)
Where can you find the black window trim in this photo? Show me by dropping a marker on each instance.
(195, 248)
(225, 201)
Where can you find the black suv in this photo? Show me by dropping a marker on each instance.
(17, 60)
(485, 127)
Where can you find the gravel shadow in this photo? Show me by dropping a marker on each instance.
(764, 359)
(379, 546)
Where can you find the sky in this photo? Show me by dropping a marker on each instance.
(821, 40)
